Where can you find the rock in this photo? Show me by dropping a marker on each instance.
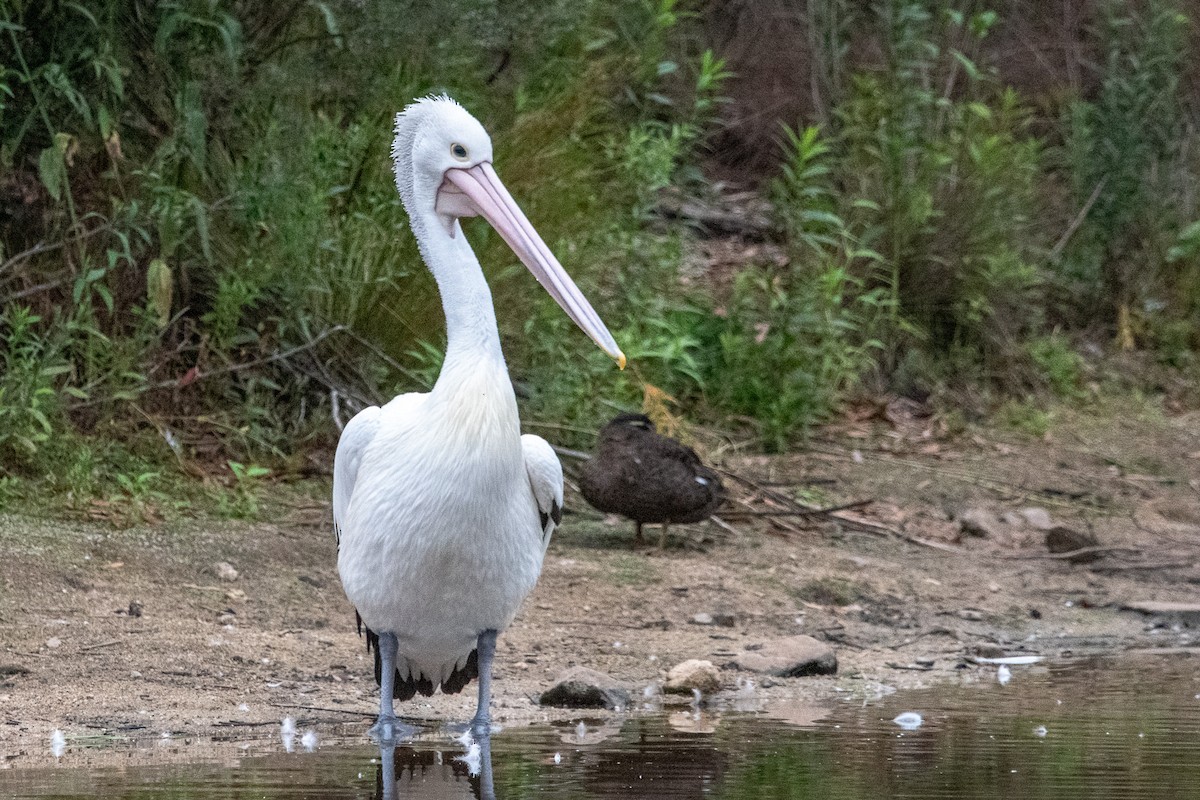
(226, 572)
(790, 657)
(979, 522)
(135, 608)
(1038, 518)
(723, 620)
(1187, 613)
(580, 687)
(1061, 539)
(702, 619)
(693, 674)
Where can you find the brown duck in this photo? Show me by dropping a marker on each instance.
(638, 473)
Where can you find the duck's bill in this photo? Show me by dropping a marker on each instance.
(486, 196)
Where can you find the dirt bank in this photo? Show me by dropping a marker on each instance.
(123, 635)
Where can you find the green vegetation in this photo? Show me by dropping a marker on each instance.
(203, 259)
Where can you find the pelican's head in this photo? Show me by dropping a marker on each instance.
(443, 162)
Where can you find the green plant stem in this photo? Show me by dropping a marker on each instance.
(27, 74)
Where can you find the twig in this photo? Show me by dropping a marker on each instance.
(1134, 567)
(800, 512)
(100, 644)
(914, 667)
(335, 410)
(862, 525)
(725, 526)
(1070, 554)
(42, 247)
(277, 356)
(569, 453)
(366, 713)
(1056, 251)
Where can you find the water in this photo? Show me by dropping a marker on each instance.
(1096, 730)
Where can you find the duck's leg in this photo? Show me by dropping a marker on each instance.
(662, 539)
(481, 725)
(387, 727)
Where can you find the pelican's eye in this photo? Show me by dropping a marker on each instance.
(458, 151)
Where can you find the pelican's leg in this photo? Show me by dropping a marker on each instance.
(637, 533)
(481, 725)
(386, 727)
(662, 539)
(387, 772)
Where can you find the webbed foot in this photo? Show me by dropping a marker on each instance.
(388, 730)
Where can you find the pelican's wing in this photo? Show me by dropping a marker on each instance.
(546, 481)
(357, 434)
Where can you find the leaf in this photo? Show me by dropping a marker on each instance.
(160, 287)
(52, 170)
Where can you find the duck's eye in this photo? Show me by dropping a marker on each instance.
(458, 151)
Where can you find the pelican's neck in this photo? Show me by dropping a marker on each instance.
(472, 339)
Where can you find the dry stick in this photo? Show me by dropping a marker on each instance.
(801, 513)
(277, 356)
(776, 522)
(993, 484)
(1056, 251)
(725, 526)
(1069, 554)
(568, 452)
(862, 525)
(320, 708)
(101, 644)
(42, 247)
(1134, 567)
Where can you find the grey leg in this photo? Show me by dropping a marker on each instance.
(487, 786)
(481, 725)
(637, 533)
(385, 728)
(662, 540)
(387, 772)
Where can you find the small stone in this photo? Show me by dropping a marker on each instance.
(1061, 539)
(53, 642)
(987, 650)
(979, 522)
(970, 614)
(226, 572)
(580, 687)
(1036, 517)
(790, 657)
(702, 619)
(693, 674)
(135, 608)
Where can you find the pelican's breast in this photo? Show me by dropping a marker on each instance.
(442, 528)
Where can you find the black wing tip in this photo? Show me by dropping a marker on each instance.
(405, 688)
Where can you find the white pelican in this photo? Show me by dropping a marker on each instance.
(443, 510)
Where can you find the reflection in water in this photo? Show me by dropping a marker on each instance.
(1101, 730)
(412, 773)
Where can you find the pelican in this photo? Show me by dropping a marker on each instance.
(442, 509)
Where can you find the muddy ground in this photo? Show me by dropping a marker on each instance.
(121, 636)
